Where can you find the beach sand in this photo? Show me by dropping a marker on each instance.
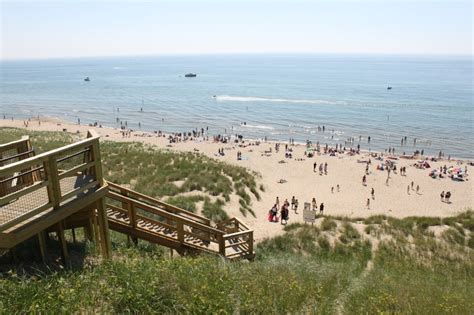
(304, 184)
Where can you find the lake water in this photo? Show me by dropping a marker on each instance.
(278, 96)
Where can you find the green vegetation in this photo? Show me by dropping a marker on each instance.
(328, 224)
(305, 270)
(161, 173)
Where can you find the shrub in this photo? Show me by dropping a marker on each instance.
(328, 224)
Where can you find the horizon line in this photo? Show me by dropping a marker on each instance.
(408, 54)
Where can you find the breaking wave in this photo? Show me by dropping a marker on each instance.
(257, 126)
(224, 98)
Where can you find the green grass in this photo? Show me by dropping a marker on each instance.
(426, 276)
(454, 236)
(328, 224)
(349, 233)
(185, 202)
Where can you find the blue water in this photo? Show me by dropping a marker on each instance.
(280, 97)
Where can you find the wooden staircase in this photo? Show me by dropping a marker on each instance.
(142, 217)
(65, 189)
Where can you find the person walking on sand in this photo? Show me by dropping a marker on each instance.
(448, 196)
(292, 202)
(408, 189)
(314, 204)
(321, 209)
(284, 214)
(412, 183)
(277, 203)
(314, 166)
(272, 216)
(442, 196)
(296, 206)
(332, 190)
(373, 193)
(368, 203)
(338, 188)
(364, 180)
(418, 189)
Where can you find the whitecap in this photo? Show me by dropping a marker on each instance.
(224, 98)
(257, 126)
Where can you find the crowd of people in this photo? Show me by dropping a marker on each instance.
(284, 209)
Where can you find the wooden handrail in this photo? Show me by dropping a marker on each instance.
(242, 224)
(159, 202)
(237, 234)
(13, 144)
(40, 158)
(163, 213)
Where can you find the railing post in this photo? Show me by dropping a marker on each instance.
(97, 161)
(180, 229)
(221, 240)
(132, 214)
(54, 188)
(250, 242)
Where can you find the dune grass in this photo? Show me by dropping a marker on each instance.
(297, 272)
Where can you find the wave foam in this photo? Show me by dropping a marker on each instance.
(257, 126)
(224, 98)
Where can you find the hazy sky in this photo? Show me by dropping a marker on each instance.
(71, 28)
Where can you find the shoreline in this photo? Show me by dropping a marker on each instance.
(391, 198)
(329, 136)
(143, 133)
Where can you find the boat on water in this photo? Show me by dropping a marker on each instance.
(190, 75)
(87, 79)
(389, 87)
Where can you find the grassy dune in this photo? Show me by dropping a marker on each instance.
(349, 269)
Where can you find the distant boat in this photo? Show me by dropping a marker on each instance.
(389, 87)
(190, 75)
(87, 79)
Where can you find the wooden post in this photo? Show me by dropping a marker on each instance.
(42, 245)
(180, 228)
(62, 240)
(250, 242)
(103, 228)
(54, 189)
(221, 240)
(95, 219)
(132, 214)
(73, 235)
(97, 162)
(88, 228)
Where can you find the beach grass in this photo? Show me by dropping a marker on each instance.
(300, 271)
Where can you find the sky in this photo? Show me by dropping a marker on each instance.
(75, 28)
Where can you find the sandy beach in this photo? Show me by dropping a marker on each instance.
(391, 198)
